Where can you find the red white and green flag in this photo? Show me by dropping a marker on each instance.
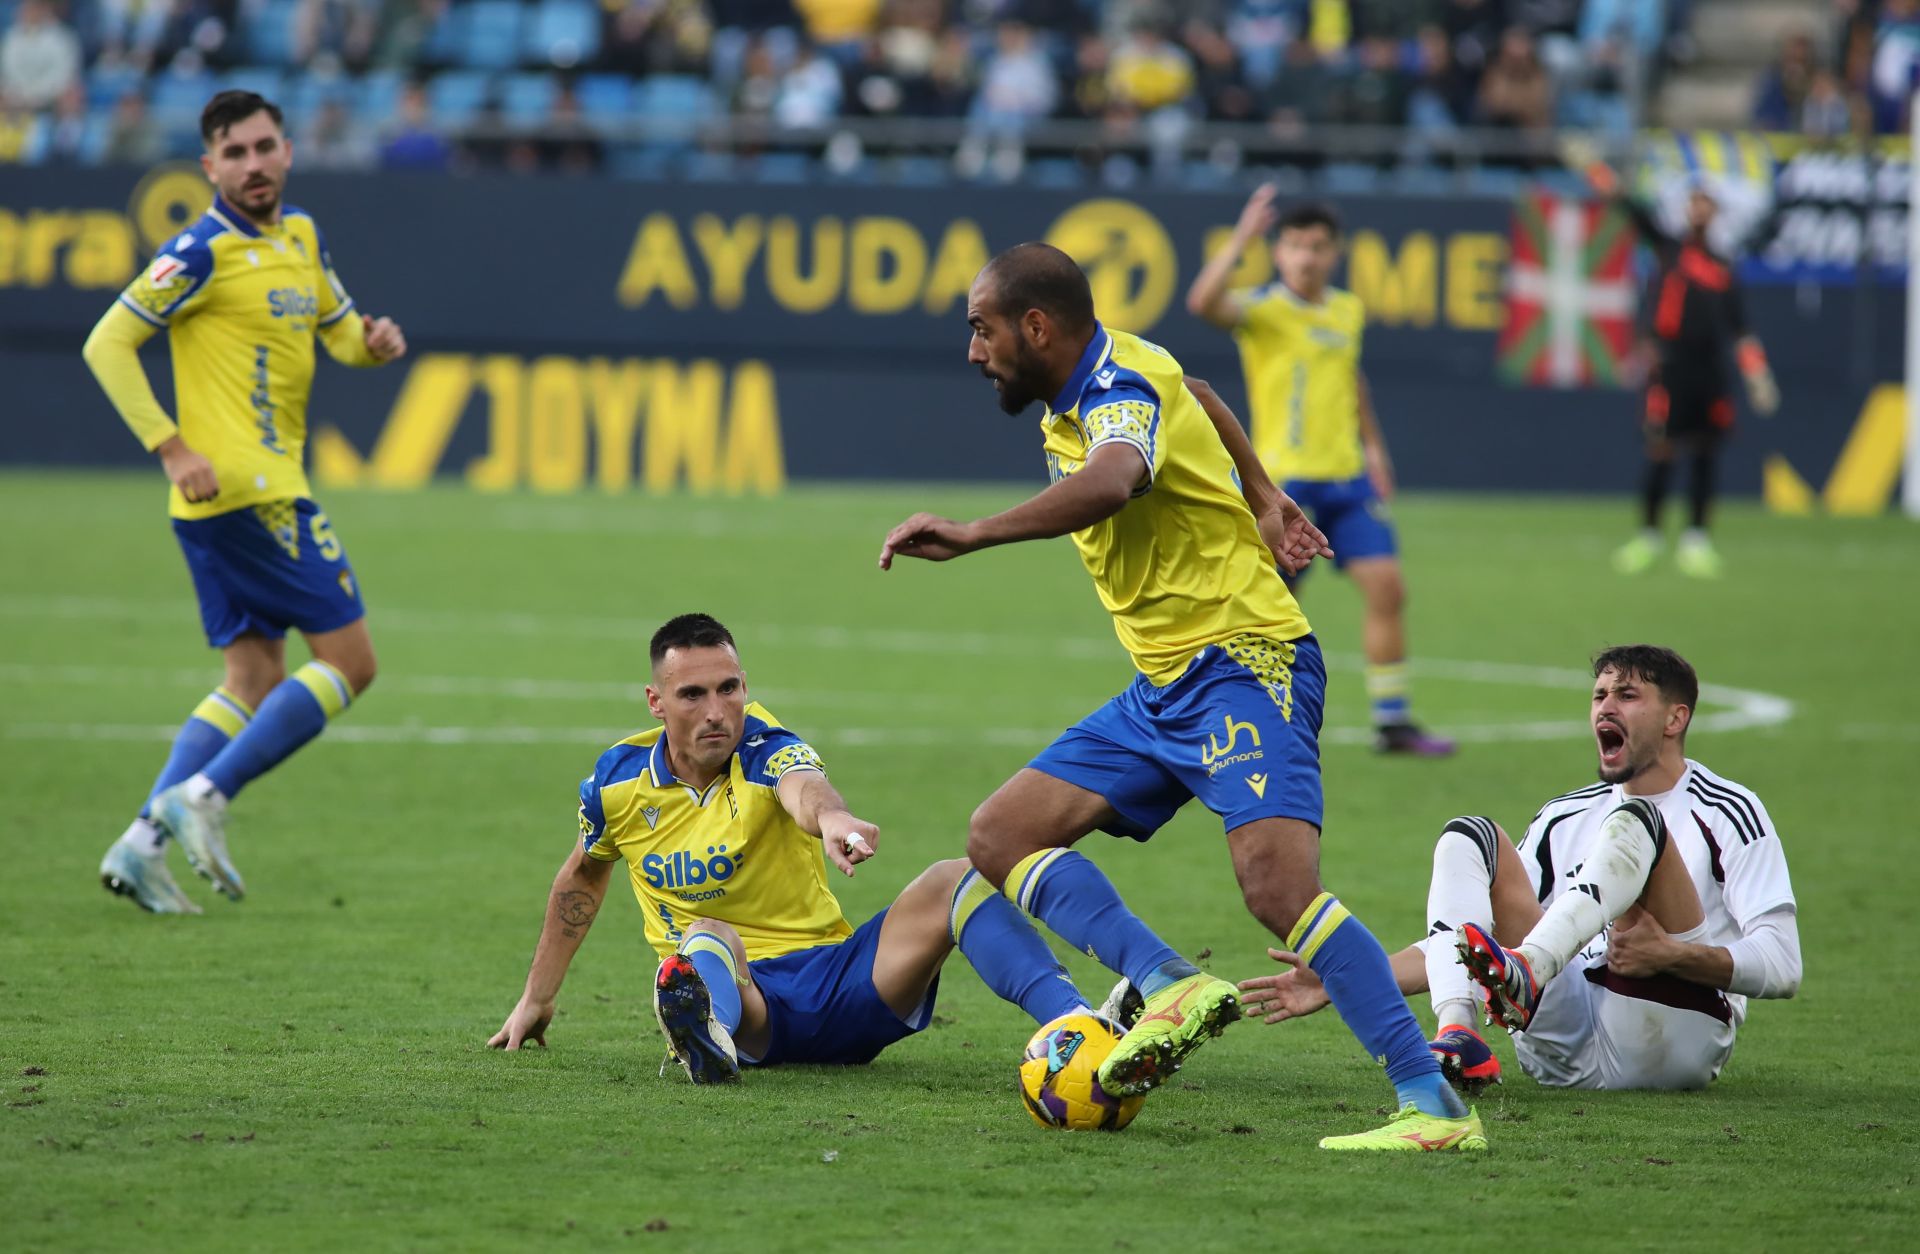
(1570, 293)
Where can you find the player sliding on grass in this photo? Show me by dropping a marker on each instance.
(1683, 864)
(721, 815)
(242, 293)
(1227, 702)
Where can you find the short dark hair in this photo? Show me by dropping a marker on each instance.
(230, 107)
(689, 631)
(1040, 276)
(1663, 668)
(1311, 214)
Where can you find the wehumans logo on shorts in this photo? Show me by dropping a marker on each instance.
(1216, 757)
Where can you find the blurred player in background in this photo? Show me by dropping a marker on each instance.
(1695, 319)
(722, 815)
(1642, 912)
(1315, 430)
(242, 293)
(1226, 704)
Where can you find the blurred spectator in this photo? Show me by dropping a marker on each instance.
(950, 80)
(1442, 97)
(642, 37)
(1223, 89)
(1299, 97)
(759, 82)
(1515, 91)
(39, 58)
(1092, 58)
(1260, 31)
(839, 27)
(66, 138)
(1149, 72)
(1474, 26)
(896, 72)
(1017, 86)
(332, 140)
(414, 144)
(132, 136)
(1826, 113)
(402, 32)
(1783, 88)
(130, 31)
(569, 144)
(342, 30)
(809, 93)
(1399, 20)
(1375, 93)
(1594, 89)
(1896, 61)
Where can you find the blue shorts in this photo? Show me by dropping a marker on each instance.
(1350, 512)
(1240, 730)
(822, 1006)
(264, 568)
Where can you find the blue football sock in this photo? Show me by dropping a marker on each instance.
(713, 959)
(1359, 979)
(293, 713)
(1387, 692)
(1009, 955)
(218, 718)
(1069, 894)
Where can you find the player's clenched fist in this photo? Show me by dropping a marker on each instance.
(189, 471)
(385, 340)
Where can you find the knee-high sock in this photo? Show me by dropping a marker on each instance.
(1359, 980)
(1702, 496)
(713, 958)
(1069, 894)
(1611, 879)
(293, 713)
(1387, 692)
(1010, 956)
(1464, 859)
(218, 718)
(1653, 492)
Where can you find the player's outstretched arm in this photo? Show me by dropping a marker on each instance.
(1292, 537)
(578, 892)
(817, 806)
(1209, 297)
(1094, 493)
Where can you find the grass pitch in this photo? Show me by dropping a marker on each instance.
(307, 1070)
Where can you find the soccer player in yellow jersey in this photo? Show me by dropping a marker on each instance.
(1226, 705)
(242, 294)
(1315, 431)
(722, 817)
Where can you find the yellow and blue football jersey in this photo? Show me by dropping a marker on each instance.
(1302, 362)
(1181, 566)
(731, 853)
(241, 304)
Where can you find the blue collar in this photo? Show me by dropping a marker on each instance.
(234, 218)
(660, 766)
(1097, 349)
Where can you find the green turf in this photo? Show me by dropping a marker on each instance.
(306, 1070)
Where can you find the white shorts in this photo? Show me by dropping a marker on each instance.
(1598, 1030)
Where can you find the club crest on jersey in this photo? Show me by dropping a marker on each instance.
(652, 815)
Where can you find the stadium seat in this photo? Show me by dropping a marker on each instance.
(106, 84)
(1494, 182)
(640, 162)
(1055, 172)
(456, 97)
(1348, 178)
(562, 33)
(707, 167)
(674, 106)
(1415, 179)
(263, 82)
(269, 32)
(177, 99)
(785, 168)
(527, 99)
(916, 171)
(492, 37)
(448, 36)
(376, 97)
(604, 97)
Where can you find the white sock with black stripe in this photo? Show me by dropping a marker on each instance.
(1461, 891)
(1610, 880)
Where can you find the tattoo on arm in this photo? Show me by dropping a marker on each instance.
(576, 909)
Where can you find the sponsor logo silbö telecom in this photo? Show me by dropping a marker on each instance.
(1217, 757)
(686, 869)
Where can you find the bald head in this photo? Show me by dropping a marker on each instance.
(1039, 276)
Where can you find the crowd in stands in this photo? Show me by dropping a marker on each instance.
(526, 84)
(1860, 82)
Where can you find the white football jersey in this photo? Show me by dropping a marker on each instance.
(1721, 829)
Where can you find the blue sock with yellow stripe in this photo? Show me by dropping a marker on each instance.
(1388, 693)
(1359, 980)
(295, 712)
(1069, 894)
(1009, 955)
(713, 958)
(218, 718)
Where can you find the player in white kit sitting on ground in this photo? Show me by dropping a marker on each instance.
(1621, 940)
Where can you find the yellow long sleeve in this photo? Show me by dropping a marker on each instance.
(112, 352)
(346, 340)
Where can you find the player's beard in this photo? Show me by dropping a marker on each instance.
(1632, 761)
(1024, 384)
(247, 200)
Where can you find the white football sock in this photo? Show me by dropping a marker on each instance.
(144, 837)
(200, 788)
(1461, 892)
(1611, 879)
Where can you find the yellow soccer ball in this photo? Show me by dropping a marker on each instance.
(1057, 1081)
